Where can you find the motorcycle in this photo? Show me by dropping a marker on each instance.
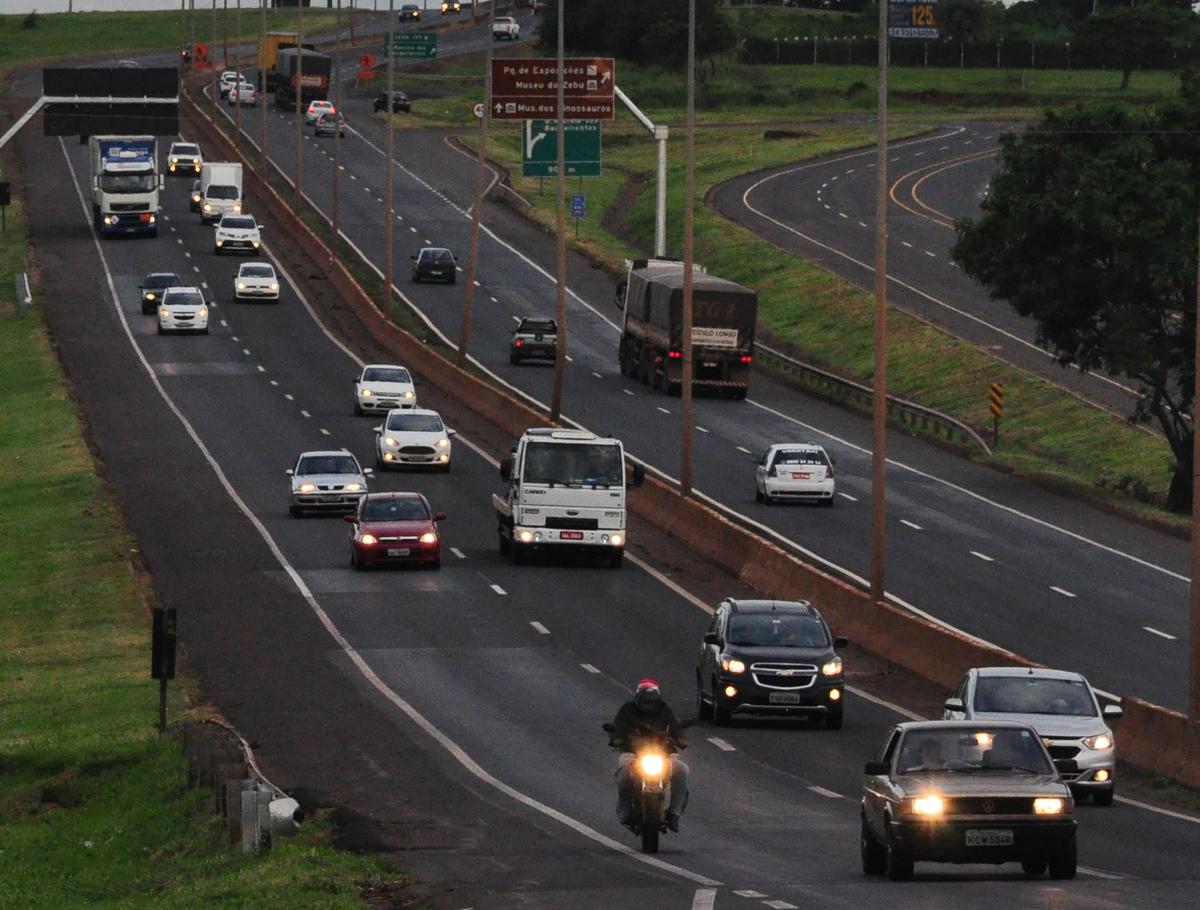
(651, 770)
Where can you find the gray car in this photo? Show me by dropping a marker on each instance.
(1061, 706)
(326, 481)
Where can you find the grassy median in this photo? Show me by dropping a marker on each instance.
(94, 808)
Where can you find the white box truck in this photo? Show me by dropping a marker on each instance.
(566, 488)
(220, 190)
(125, 184)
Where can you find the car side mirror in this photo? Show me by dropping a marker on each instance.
(378, 430)
(712, 638)
(639, 474)
(1112, 712)
(608, 728)
(876, 768)
(439, 516)
(840, 641)
(350, 518)
(450, 432)
(954, 704)
(506, 466)
(289, 472)
(413, 258)
(368, 472)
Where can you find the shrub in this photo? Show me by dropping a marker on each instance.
(30, 21)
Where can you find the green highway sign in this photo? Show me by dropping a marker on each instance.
(418, 45)
(581, 152)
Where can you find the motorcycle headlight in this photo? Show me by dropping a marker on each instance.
(651, 764)
(1048, 805)
(308, 488)
(428, 537)
(832, 667)
(368, 539)
(732, 665)
(442, 443)
(1103, 741)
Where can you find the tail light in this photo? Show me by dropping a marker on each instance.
(746, 358)
(771, 472)
(675, 355)
(657, 360)
(518, 343)
(829, 472)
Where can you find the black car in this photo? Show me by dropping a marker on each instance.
(409, 11)
(196, 197)
(400, 103)
(434, 264)
(152, 288)
(770, 657)
(533, 337)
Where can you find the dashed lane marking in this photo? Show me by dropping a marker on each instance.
(289, 397)
(722, 744)
(746, 892)
(499, 590)
(235, 338)
(590, 668)
(457, 552)
(982, 556)
(1063, 591)
(703, 429)
(260, 368)
(1154, 631)
(931, 254)
(539, 628)
(906, 243)
(664, 410)
(848, 496)
(626, 391)
(305, 413)
(744, 449)
(325, 432)
(780, 905)
(274, 382)
(597, 375)
(909, 524)
(828, 794)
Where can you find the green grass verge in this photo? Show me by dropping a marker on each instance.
(93, 804)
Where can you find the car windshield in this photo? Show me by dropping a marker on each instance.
(257, 271)
(394, 510)
(161, 280)
(777, 630)
(964, 749)
(585, 464)
(436, 256)
(801, 456)
(537, 325)
(184, 298)
(386, 374)
(415, 423)
(238, 224)
(1031, 695)
(327, 464)
(222, 192)
(185, 150)
(128, 183)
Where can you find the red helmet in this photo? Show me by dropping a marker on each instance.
(647, 696)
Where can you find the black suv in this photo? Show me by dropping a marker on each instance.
(400, 103)
(770, 657)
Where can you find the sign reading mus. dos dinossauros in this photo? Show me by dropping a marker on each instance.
(527, 89)
(912, 19)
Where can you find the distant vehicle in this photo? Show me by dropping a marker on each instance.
(196, 196)
(236, 234)
(244, 93)
(316, 109)
(182, 310)
(723, 320)
(326, 481)
(220, 190)
(434, 264)
(1062, 707)
(409, 11)
(451, 7)
(801, 471)
(400, 103)
(185, 53)
(965, 792)
(383, 387)
(770, 657)
(328, 124)
(303, 74)
(269, 46)
(533, 338)
(413, 438)
(395, 528)
(184, 158)
(256, 281)
(127, 65)
(227, 80)
(506, 27)
(153, 286)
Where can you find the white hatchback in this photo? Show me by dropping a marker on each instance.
(256, 281)
(316, 109)
(413, 438)
(382, 387)
(182, 310)
(797, 471)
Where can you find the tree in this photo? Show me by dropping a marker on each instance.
(1136, 37)
(1090, 228)
(965, 21)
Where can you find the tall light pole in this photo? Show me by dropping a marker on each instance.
(879, 421)
(299, 101)
(689, 257)
(389, 208)
(237, 110)
(464, 334)
(1194, 637)
(263, 102)
(560, 222)
(337, 141)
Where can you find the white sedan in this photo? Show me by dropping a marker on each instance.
(256, 281)
(227, 81)
(382, 387)
(316, 109)
(413, 438)
(237, 234)
(182, 310)
(244, 93)
(797, 471)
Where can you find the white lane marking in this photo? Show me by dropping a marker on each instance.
(828, 794)
(195, 268)
(626, 391)
(289, 397)
(224, 323)
(305, 413)
(246, 351)
(930, 254)
(746, 892)
(539, 628)
(325, 432)
(942, 148)
(428, 242)
(906, 243)
(918, 154)
(907, 523)
(594, 373)
(234, 338)
(1179, 816)
(884, 703)
(1154, 631)
(704, 898)
(850, 171)
(780, 905)
(982, 556)
(723, 745)
(848, 496)
(1063, 591)
(204, 284)
(664, 410)
(476, 282)
(568, 358)
(744, 449)
(179, 240)
(860, 224)
(590, 668)
(274, 382)
(457, 552)
(352, 176)
(260, 368)
(411, 228)
(499, 590)
(843, 215)
(670, 583)
(188, 255)
(828, 208)
(1098, 873)
(833, 178)
(703, 429)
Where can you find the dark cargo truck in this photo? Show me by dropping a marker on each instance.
(302, 72)
(723, 320)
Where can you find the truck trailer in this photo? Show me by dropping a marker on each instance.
(302, 73)
(269, 46)
(126, 182)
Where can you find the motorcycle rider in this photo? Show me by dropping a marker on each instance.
(647, 712)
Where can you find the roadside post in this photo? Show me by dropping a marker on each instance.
(5, 202)
(162, 658)
(464, 332)
(578, 210)
(996, 404)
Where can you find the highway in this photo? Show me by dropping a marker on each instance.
(483, 681)
(1043, 575)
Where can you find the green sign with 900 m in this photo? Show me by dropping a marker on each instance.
(581, 148)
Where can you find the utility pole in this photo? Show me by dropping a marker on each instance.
(1194, 638)
(263, 102)
(237, 108)
(689, 192)
(560, 222)
(879, 421)
(337, 141)
(389, 209)
(299, 102)
(212, 69)
(464, 334)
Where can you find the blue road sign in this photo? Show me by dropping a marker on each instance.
(578, 205)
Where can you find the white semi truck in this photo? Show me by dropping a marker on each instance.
(126, 182)
(566, 489)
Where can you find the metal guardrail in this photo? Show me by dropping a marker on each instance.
(909, 414)
(24, 296)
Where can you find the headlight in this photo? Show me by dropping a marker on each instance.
(929, 805)
(732, 665)
(353, 487)
(241, 285)
(616, 540)
(408, 394)
(389, 441)
(308, 488)
(366, 393)
(1103, 741)
(442, 443)
(525, 536)
(237, 207)
(254, 243)
(150, 295)
(428, 537)
(368, 539)
(651, 764)
(220, 243)
(110, 219)
(832, 667)
(202, 312)
(272, 286)
(208, 206)
(196, 161)
(174, 161)
(164, 312)
(1048, 805)
(195, 197)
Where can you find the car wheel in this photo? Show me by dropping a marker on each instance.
(1104, 797)
(1034, 866)
(898, 865)
(703, 709)
(161, 331)
(358, 564)
(505, 542)
(833, 718)
(758, 496)
(380, 465)
(722, 714)
(519, 554)
(454, 279)
(874, 857)
(1062, 867)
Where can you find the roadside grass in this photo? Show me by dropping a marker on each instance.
(94, 808)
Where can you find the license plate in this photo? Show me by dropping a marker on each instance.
(397, 551)
(784, 698)
(990, 838)
(709, 363)
(571, 535)
(800, 475)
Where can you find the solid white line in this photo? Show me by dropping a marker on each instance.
(828, 794)
(457, 552)
(1179, 816)
(722, 744)
(673, 585)
(539, 628)
(848, 496)
(499, 590)
(590, 668)
(1062, 591)
(1154, 631)
(884, 703)
(907, 523)
(704, 898)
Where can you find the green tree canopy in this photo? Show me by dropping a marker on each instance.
(1132, 37)
(1090, 228)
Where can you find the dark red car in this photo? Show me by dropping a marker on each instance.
(395, 528)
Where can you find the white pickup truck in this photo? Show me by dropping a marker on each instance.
(505, 27)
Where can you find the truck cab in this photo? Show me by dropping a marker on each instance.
(565, 489)
(125, 184)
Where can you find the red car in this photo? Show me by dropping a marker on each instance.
(395, 528)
